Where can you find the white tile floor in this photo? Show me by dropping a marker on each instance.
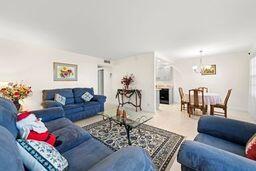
(170, 118)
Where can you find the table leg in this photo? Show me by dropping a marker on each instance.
(122, 98)
(110, 124)
(128, 129)
(139, 131)
(136, 101)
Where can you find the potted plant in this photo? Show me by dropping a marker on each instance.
(16, 92)
(127, 80)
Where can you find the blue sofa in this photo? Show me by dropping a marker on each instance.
(75, 107)
(220, 145)
(82, 151)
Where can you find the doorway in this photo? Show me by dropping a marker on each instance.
(100, 80)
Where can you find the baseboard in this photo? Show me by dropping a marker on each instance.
(238, 109)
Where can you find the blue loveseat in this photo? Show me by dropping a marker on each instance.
(75, 107)
(220, 145)
(82, 151)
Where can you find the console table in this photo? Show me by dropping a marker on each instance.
(129, 94)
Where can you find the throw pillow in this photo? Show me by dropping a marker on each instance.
(38, 155)
(59, 98)
(87, 97)
(250, 149)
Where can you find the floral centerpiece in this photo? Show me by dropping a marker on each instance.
(127, 80)
(15, 92)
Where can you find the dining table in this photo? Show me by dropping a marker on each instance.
(209, 98)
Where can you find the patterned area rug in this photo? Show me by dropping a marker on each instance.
(160, 144)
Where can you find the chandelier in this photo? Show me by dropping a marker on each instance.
(200, 68)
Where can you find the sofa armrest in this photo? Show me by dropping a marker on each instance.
(126, 159)
(228, 129)
(199, 156)
(50, 103)
(50, 113)
(99, 98)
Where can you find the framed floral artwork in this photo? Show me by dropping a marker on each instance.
(64, 72)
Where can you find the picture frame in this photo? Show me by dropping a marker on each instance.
(64, 72)
(210, 70)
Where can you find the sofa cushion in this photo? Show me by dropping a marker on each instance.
(8, 120)
(9, 154)
(66, 92)
(91, 103)
(78, 116)
(86, 155)
(71, 136)
(78, 92)
(221, 144)
(58, 124)
(73, 108)
(131, 157)
(92, 109)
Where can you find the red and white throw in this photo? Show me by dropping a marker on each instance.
(30, 127)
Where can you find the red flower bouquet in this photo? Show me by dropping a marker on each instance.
(127, 80)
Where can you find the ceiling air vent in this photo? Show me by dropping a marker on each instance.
(107, 61)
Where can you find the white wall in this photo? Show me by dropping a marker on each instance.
(143, 68)
(232, 72)
(34, 66)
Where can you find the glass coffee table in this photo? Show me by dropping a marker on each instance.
(133, 120)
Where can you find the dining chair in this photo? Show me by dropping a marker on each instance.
(196, 101)
(183, 101)
(205, 89)
(222, 106)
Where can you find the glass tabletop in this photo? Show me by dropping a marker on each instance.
(133, 118)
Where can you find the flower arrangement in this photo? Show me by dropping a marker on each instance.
(66, 72)
(15, 92)
(127, 80)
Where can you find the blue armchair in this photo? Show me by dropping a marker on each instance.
(220, 145)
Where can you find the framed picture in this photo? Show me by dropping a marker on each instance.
(64, 72)
(209, 70)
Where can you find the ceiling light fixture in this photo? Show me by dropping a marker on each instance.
(199, 68)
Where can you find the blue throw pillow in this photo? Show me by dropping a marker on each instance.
(59, 98)
(87, 97)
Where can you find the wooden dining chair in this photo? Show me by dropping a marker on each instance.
(222, 106)
(205, 89)
(196, 101)
(183, 101)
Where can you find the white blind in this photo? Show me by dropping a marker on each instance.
(253, 77)
(252, 98)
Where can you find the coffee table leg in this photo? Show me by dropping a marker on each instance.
(139, 131)
(128, 129)
(110, 124)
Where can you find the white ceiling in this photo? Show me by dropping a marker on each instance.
(120, 28)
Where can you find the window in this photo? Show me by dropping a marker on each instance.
(253, 78)
(252, 98)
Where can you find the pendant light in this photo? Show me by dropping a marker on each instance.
(199, 68)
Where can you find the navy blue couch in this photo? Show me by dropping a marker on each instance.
(75, 107)
(82, 151)
(220, 145)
